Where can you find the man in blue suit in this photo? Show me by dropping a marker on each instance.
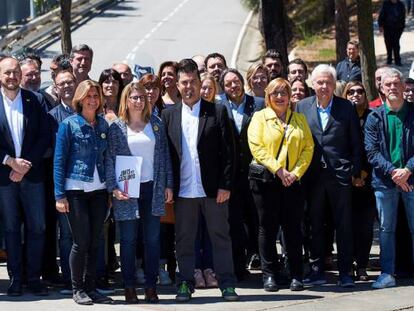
(336, 164)
(25, 138)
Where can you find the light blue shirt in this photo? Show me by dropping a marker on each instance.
(237, 112)
(324, 114)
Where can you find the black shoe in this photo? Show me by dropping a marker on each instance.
(53, 280)
(296, 285)
(99, 298)
(38, 289)
(103, 287)
(15, 289)
(81, 298)
(269, 284)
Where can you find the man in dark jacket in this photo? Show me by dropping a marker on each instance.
(390, 149)
(350, 68)
(336, 160)
(391, 21)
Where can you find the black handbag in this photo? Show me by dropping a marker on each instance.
(258, 171)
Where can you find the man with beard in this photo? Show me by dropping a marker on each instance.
(390, 151)
(381, 98)
(272, 60)
(215, 64)
(242, 211)
(201, 149)
(336, 163)
(25, 132)
(350, 68)
(81, 61)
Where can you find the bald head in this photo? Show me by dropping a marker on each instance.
(10, 74)
(125, 72)
(199, 59)
(378, 75)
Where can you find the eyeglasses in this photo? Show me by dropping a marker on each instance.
(277, 93)
(63, 83)
(137, 98)
(357, 91)
(409, 91)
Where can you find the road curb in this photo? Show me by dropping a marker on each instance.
(239, 41)
(42, 26)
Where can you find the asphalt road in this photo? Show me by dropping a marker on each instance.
(148, 32)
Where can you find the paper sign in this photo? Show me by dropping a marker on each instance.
(128, 174)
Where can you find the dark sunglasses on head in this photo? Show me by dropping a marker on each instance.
(357, 91)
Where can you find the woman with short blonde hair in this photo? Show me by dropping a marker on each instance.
(281, 143)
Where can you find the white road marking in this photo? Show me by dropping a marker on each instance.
(239, 41)
(131, 56)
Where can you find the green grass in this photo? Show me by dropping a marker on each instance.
(327, 54)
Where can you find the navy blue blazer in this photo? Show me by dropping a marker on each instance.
(36, 137)
(340, 143)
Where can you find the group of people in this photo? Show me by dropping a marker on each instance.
(243, 163)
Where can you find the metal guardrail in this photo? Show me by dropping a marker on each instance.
(45, 24)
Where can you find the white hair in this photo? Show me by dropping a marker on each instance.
(323, 69)
(391, 72)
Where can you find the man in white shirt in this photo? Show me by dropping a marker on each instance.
(25, 138)
(201, 149)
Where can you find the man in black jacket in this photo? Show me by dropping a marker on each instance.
(25, 138)
(391, 21)
(336, 161)
(242, 211)
(201, 149)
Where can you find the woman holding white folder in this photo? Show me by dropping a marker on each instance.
(138, 133)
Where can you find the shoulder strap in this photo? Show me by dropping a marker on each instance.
(284, 134)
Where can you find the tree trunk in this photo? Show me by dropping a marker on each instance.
(272, 23)
(65, 18)
(366, 47)
(341, 28)
(328, 12)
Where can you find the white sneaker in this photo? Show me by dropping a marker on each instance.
(164, 277)
(140, 276)
(384, 280)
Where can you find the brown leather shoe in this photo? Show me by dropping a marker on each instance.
(130, 295)
(151, 295)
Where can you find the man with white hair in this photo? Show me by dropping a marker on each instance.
(335, 164)
(390, 151)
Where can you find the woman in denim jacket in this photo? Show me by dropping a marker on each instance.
(138, 132)
(80, 189)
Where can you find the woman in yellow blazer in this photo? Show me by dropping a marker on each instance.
(280, 202)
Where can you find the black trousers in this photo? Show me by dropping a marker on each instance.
(279, 206)
(392, 43)
(87, 212)
(50, 267)
(321, 188)
(363, 215)
(243, 221)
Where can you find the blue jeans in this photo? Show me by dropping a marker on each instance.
(128, 236)
(30, 197)
(387, 206)
(65, 245)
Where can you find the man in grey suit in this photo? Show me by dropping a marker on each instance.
(336, 164)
